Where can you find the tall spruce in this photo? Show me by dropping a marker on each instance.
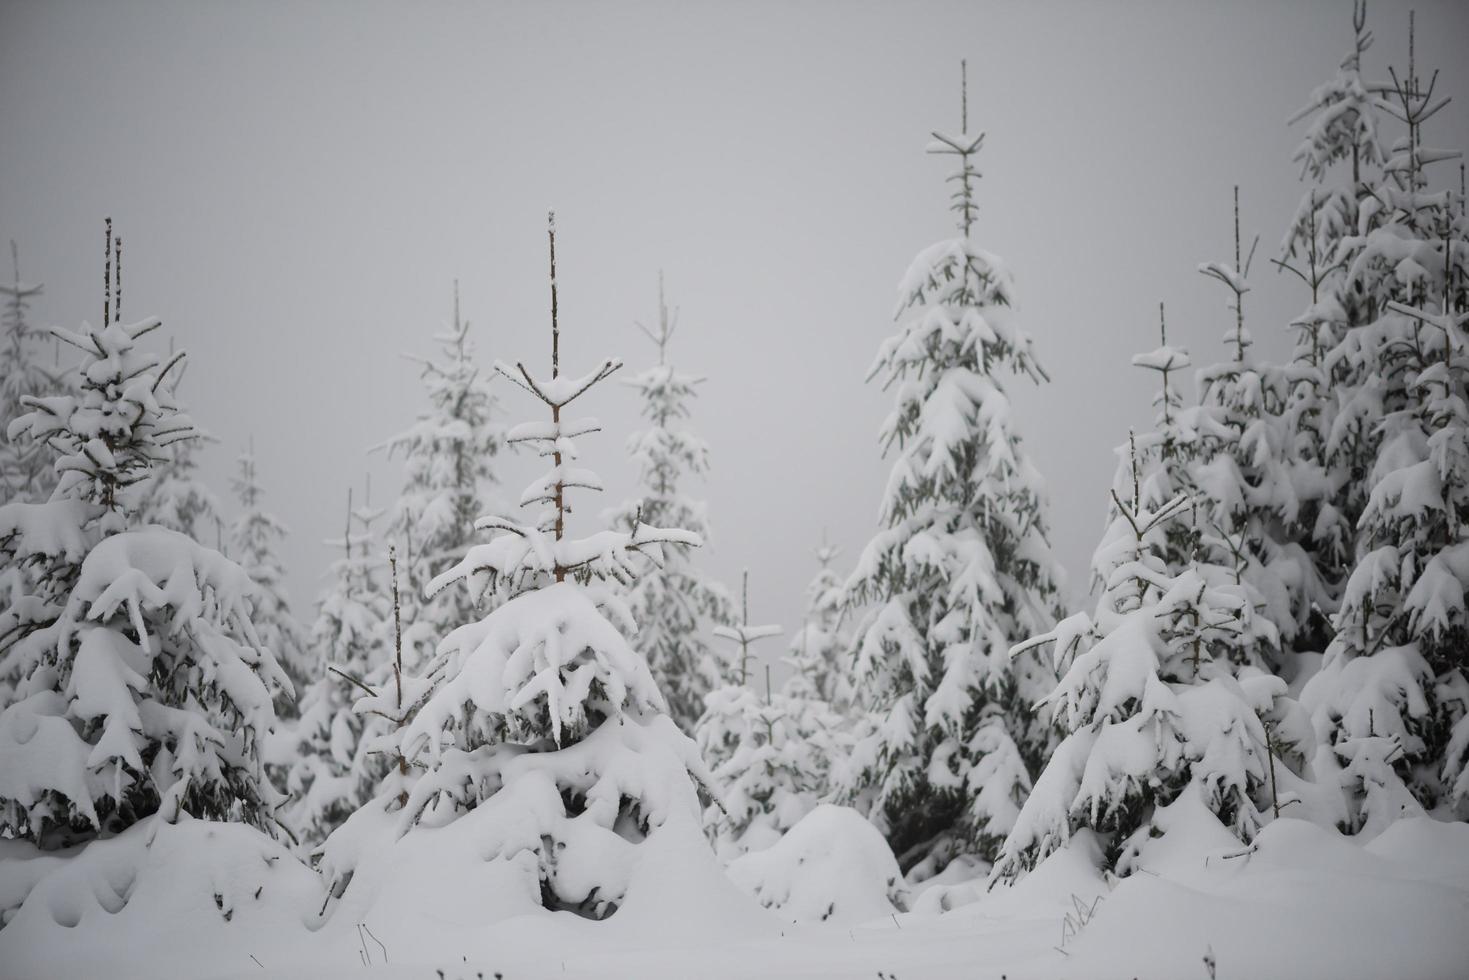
(1390, 696)
(961, 569)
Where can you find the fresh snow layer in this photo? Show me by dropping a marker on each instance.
(1302, 903)
(832, 866)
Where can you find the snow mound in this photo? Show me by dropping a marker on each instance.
(1303, 902)
(832, 866)
(192, 898)
(962, 882)
(678, 880)
(1427, 848)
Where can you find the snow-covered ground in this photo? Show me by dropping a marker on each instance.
(220, 901)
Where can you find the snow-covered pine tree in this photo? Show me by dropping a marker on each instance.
(1390, 695)
(1347, 126)
(1421, 505)
(449, 461)
(771, 757)
(1310, 410)
(332, 772)
(1248, 506)
(25, 466)
(961, 569)
(540, 727)
(675, 603)
(26, 473)
(818, 652)
(1150, 702)
(253, 539)
(144, 689)
(1344, 125)
(768, 755)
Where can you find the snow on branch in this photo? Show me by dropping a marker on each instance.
(557, 391)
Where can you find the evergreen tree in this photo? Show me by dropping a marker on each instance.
(144, 689)
(254, 536)
(1389, 698)
(449, 457)
(26, 473)
(961, 569)
(771, 758)
(1246, 502)
(1150, 702)
(540, 725)
(674, 603)
(1326, 438)
(765, 753)
(25, 467)
(333, 772)
(818, 651)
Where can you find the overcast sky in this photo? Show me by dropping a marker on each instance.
(299, 183)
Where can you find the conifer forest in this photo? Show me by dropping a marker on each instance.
(510, 526)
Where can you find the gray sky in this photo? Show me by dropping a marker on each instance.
(298, 185)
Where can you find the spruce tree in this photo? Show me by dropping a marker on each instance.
(26, 473)
(961, 568)
(1151, 703)
(25, 466)
(674, 603)
(143, 689)
(818, 652)
(1389, 698)
(333, 772)
(449, 458)
(539, 725)
(253, 539)
(771, 757)
(1246, 503)
(764, 753)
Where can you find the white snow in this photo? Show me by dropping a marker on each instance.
(1303, 902)
(833, 866)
